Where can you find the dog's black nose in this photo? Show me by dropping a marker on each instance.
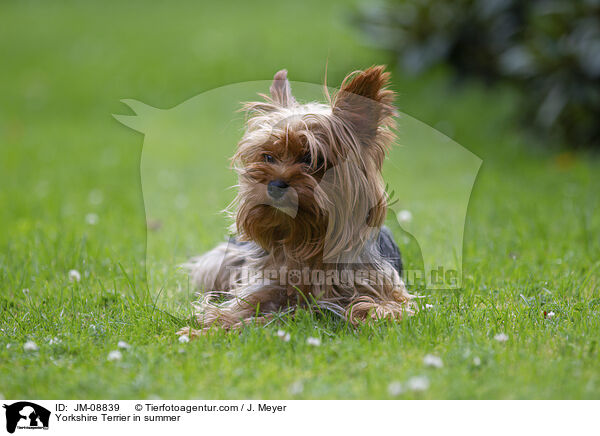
(276, 189)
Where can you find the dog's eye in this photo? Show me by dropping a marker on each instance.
(268, 158)
(307, 160)
(320, 162)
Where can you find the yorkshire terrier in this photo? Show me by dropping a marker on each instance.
(309, 212)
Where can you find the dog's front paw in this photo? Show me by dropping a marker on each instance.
(190, 332)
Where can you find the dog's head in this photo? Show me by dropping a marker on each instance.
(310, 174)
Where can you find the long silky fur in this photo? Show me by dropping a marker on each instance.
(334, 225)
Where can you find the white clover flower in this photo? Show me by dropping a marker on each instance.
(124, 345)
(114, 355)
(433, 361)
(476, 361)
(313, 341)
(74, 275)
(404, 216)
(296, 388)
(395, 388)
(418, 383)
(30, 346)
(550, 315)
(501, 337)
(285, 337)
(91, 219)
(95, 197)
(184, 339)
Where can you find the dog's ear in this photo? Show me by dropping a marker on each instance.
(364, 103)
(281, 91)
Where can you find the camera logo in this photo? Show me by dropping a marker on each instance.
(26, 415)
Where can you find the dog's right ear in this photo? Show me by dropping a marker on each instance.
(364, 103)
(281, 91)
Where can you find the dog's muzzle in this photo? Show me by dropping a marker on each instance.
(277, 189)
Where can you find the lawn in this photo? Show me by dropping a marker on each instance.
(71, 198)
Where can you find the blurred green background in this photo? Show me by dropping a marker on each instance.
(70, 198)
(547, 50)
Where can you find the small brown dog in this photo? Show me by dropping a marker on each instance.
(309, 211)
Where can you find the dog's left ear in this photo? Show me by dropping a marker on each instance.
(364, 103)
(281, 91)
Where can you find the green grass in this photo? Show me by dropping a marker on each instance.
(531, 238)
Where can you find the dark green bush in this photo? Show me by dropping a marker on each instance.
(549, 49)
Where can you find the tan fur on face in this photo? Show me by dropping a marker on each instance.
(331, 158)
